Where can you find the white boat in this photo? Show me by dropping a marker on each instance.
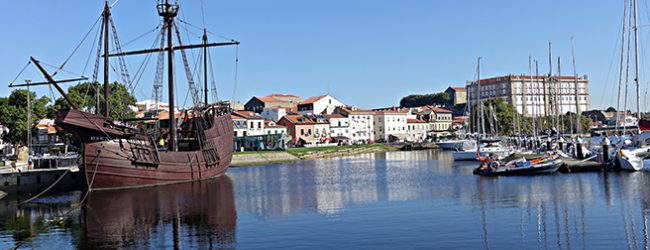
(470, 153)
(451, 144)
(632, 153)
(633, 159)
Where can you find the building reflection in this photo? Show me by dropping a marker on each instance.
(191, 215)
(555, 211)
(328, 186)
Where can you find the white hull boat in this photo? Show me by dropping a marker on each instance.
(451, 144)
(470, 154)
(633, 159)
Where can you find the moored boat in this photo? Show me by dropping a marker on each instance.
(520, 166)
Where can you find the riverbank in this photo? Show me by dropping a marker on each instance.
(253, 158)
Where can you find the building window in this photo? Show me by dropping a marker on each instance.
(302, 131)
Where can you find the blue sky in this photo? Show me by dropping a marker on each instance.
(365, 53)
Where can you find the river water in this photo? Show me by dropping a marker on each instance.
(412, 200)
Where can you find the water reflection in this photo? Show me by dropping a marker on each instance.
(416, 200)
(192, 215)
(556, 211)
(19, 225)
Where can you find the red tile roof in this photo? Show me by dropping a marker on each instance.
(440, 110)
(246, 114)
(335, 116)
(312, 99)
(298, 119)
(393, 110)
(414, 121)
(268, 99)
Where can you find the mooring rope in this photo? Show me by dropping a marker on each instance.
(44, 191)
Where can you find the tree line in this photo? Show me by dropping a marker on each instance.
(418, 100)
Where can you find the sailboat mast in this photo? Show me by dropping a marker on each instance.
(636, 64)
(543, 88)
(106, 14)
(575, 83)
(168, 12)
(550, 84)
(620, 72)
(560, 98)
(480, 104)
(205, 66)
(533, 89)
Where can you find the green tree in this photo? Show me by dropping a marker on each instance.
(610, 109)
(417, 100)
(13, 113)
(86, 94)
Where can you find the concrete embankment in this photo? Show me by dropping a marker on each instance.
(297, 154)
(261, 158)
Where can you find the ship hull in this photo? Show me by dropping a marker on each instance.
(123, 163)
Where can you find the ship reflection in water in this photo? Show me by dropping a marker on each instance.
(200, 214)
(385, 200)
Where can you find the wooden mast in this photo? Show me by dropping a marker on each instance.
(205, 66)
(106, 14)
(168, 12)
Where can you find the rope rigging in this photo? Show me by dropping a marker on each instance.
(124, 72)
(21, 72)
(234, 89)
(213, 84)
(202, 29)
(192, 87)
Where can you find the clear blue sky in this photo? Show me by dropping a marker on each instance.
(365, 53)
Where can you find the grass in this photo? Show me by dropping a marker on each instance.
(257, 152)
(300, 152)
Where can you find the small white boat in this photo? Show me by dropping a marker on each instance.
(470, 153)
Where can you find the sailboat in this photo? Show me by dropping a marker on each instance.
(471, 150)
(119, 154)
(632, 153)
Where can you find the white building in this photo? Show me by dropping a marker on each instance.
(247, 123)
(319, 105)
(417, 130)
(390, 125)
(535, 95)
(274, 114)
(362, 129)
(147, 105)
(271, 128)
(440, 120)
(339, 126)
